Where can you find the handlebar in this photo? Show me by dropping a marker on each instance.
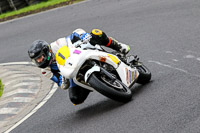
(84, 39)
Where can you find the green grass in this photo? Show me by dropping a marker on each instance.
(34, 7)
(1, 88)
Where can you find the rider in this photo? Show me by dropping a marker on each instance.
(43, 55)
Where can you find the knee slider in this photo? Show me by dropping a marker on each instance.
(76, 100)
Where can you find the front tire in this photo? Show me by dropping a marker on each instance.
(120, 95)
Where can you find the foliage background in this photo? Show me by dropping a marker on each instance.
(1, 88)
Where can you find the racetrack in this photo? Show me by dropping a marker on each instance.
(163, 33)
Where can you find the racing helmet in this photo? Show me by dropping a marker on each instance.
(40, 53)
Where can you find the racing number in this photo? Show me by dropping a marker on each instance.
(62, 54)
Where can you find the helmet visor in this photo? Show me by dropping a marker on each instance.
(40, 59)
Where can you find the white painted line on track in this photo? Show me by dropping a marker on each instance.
(18, 75)
(168, 52)
(161, 64)
(53, 90)
(23, 84)
(8, 73)
(17, 63)
(198, 58)
(22, 99)
(175, 68)
(16, 100)
(22, 78)
(32, 91)
(175, 60)
(189, 56)
(9, 111)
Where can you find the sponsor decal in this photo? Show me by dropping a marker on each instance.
(113, 58)
(102, 59)
(77, 52)
(127, 78)
(130, 80)
(130, 75)
(59, 54)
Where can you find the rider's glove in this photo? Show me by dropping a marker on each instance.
(99, 37)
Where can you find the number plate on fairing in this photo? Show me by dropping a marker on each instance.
(62, 54)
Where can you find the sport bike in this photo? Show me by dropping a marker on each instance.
(110, 73)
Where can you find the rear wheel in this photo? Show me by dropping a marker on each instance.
(144, 74)
(112, 89)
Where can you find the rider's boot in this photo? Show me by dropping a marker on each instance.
(118, 46)
(65, 84)
(99, 37)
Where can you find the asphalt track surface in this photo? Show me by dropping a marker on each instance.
(163, 33)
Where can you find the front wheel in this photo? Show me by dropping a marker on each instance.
(144, 74)
(108, 88)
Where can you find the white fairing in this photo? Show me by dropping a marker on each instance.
(92, 70)
(55, 46)
(78, 56)
(127, 74)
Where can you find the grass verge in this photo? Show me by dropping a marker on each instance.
(43, 6)
(1, 88)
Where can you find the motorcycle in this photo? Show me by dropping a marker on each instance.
(110, 73)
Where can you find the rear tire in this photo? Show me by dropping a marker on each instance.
(144, 74)
(120, 95)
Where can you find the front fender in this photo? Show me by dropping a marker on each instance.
(95, 68)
